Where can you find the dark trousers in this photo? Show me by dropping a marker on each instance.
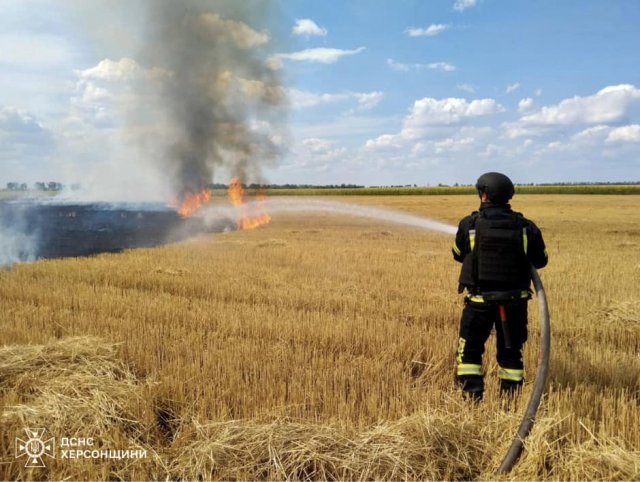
(476, 324)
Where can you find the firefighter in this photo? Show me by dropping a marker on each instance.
(496, 247)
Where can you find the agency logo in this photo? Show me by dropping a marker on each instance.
(35, 447)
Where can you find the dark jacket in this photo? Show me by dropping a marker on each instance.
(536, 252)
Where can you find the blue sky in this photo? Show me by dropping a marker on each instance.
(380, 92)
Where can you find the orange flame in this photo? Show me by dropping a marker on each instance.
(193, 201)
(249, 216)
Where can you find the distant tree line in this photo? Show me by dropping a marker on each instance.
(40, 186)
(16, 186)
(289, 186)
(399, 186)
(596, 183)
(57, 186)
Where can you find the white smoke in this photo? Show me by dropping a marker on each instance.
(16, 243)
(15, 247)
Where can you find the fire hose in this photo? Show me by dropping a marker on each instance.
(517, 444)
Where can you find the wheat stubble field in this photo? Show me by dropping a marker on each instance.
(322, 347)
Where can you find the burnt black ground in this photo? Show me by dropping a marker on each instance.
(55, 230)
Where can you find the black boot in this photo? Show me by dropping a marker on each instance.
(472, 387)
(510, 388)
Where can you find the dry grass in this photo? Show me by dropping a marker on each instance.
(75, 388)
(321, 347)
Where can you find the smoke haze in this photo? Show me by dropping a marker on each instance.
(17, 243)
(15, 246)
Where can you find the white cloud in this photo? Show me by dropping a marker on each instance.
(369, 100)
(324, 148)
(538, 92)
(515, 129)
(611, 104)
(345, 127)
(466, 87)
(526, 105)
(112, 88)
(315, 144)
(300, 99)
(555, 146)
(431, 118)
(20, 128)
(512, 87)
(316, 55)
(123, 70)
(429, 111)
(451, 144)
(92, 93)
(307, 27)
(630, 133)
(402, 67)
(14, 120)
(315, 153)
(591, 134)
(443, 66)
(595, 143)
(431, 31)
(461, 5)
(25, 142)
(384, 142)
(453, 141)
(447, 136)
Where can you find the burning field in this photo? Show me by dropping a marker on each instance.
(35, 229)
(318, 346)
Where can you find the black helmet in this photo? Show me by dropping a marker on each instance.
(498, 187)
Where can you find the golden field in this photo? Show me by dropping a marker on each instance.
(322, 347)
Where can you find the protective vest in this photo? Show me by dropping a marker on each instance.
(498, 254)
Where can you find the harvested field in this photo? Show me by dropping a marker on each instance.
(321, 347)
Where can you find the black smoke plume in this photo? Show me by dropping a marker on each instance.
(222, 102)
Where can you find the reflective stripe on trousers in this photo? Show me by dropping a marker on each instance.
(513, 374)
(466, 368)
(469, 369)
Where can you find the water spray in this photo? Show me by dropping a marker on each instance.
(275, 206)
